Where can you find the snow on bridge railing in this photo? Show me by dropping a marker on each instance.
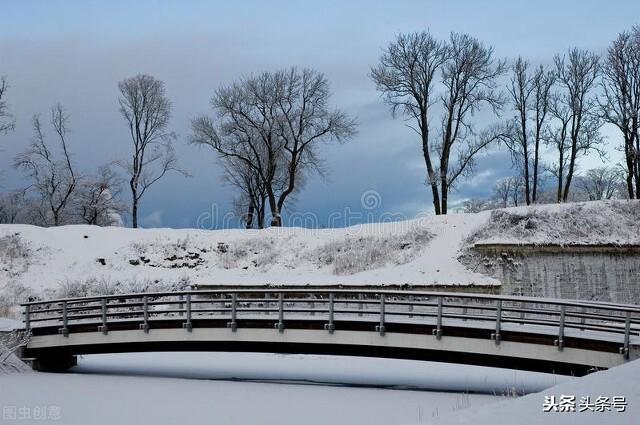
(228, 307)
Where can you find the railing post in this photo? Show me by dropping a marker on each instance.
(27, 317)
(360, 305)
(411, 306)
(233, 325)
(381, 328)
(187, 325)
(560, 341)
(280, 324)
(145, 305)
(627, 335)
(65, 321)
(330, 326)
(103, 328)
(465, 309)
(496, 336)
(438, 330)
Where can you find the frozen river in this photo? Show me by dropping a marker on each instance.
(250, 388)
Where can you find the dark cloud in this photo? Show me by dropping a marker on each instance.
(75, 53)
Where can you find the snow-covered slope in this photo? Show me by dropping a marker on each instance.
(74, 260)
(621, 381)
(420, 252)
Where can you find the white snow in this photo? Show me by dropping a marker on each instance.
(150, 388)
(74, 260)
(366, 371)
(275, 256)
(101, 399)
(619, 381)
(196, 388)
(7, 325)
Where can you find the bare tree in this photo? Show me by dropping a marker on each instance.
(146, 109)
(475, 205)
(508, 191)
(517, 136)
(269, 126)
(16, 207)
(529, 94)
(7, 122)
(53, 179)
(470, 80)
(469, 73)
(621, 100)
(406, 76)
(543, 81)
(600, 183)
(97, 198)
(244, 132)
(251, 203)
(558, 139)
(577, 73)
(305, 120)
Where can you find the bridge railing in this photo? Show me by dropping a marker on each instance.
(333, 307)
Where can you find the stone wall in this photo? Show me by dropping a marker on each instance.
(592, 272)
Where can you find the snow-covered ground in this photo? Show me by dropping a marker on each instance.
(229, 388)
(79, 260)
(621, 381)
(150, 389)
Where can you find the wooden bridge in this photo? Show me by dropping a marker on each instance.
(560, 336)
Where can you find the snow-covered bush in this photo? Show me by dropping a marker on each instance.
(251, 252)
(12, 294)
(104, 286)
(579, 223)
(15, 257)
(354, 254)
(14, 254)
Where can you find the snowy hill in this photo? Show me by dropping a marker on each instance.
(76, 260)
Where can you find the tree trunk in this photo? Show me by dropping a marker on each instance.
(560, 173)
(536, 156)
(261, 213)
(445, 193)
(134, 201)
(431, 174)
(628, 147)
(250, 212)
(572, 163)
(276, 220)
(525, 152)
(134, 214)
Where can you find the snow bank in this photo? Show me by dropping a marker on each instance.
(418, 252)
(333, 370)
(604, 222)
(619, 381)
(77, 260)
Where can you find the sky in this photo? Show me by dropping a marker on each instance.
(75, 52)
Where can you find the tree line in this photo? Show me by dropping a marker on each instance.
(268, 130)
(445, 88)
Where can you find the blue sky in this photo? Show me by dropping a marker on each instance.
(75, 52)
